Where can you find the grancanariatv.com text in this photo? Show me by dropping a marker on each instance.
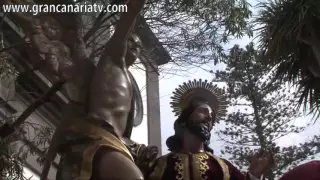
(63, 8)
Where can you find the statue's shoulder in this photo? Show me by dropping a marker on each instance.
(224, 164)
(162, 160)
(213, 156)
(220, 160)
(164, 157)
(158, 168)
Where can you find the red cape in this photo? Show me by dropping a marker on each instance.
(307, 171)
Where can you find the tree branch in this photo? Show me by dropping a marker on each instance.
(13, 46)
(8, 129)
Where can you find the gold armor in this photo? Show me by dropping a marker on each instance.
(97, 137)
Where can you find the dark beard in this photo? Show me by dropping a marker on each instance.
(202, 130)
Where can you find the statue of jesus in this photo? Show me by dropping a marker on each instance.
(90, 138)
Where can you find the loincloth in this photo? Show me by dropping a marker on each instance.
(77, 157)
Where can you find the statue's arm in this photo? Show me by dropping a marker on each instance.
(144, 156)
(158, 169)
(110, 164)
(116, 46)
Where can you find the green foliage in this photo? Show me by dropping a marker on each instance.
(194, 31)
(10, 166)
(13, 151)
(285, 27)
(267, 112)
(6, 69)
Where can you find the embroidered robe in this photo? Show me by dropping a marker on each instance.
(199, 166)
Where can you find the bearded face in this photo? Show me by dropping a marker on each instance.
(201, 121)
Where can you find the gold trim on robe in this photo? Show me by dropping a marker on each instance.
(200, 166)
(101, 138)
(181, 166)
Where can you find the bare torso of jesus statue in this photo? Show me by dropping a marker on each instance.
(110, 94)
(111, 88)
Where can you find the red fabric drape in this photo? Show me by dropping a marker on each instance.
(307, 171)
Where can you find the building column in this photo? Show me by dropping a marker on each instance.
(153, 108)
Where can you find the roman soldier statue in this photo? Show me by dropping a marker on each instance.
(198, 106)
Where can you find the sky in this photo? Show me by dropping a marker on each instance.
(169, 82)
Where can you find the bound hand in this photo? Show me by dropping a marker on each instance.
(148, 155)
(146, 158)
(261, 163)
